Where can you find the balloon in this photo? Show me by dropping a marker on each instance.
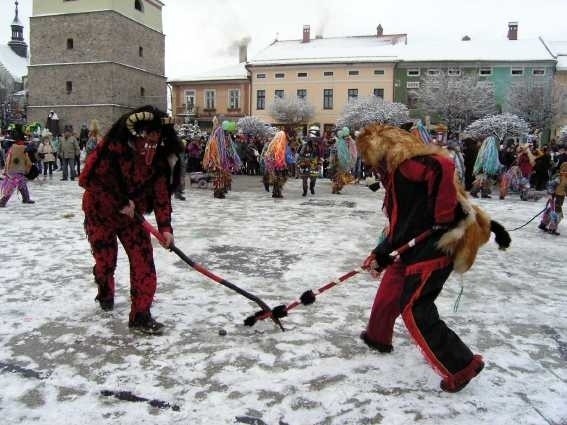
(225, 125)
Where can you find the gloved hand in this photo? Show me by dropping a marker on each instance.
(382, 257)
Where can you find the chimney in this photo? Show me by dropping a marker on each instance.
(379, 31)
(466, 38)
(306, 33)
(242, 53)
(512, 30)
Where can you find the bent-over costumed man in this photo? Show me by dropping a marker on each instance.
(422, 194)
(134, 170)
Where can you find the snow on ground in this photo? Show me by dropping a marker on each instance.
(61, 356)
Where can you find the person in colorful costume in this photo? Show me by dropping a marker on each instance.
(554, 209)
(422, 195)
(18, 164)
(133, 170)
(342, 159)
(221, 158)
(309, 160)
(486, 167)
(275, 162)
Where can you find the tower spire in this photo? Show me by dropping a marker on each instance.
(17, 43)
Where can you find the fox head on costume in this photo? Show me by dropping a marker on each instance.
(386, 146)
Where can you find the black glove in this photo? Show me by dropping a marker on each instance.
(382, 254)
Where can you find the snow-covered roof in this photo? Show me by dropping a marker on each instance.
(372, 49)
(325, 50)
(16, 65)
(476, 50)
(233, 72)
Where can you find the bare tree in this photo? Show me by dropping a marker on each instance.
(292, 110)
(456, 100)
(502, 126)
(366, 110)
(532, 102)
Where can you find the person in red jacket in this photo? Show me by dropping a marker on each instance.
(422, 195)
(134, 170)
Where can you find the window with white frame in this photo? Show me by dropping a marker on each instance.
(210, 95)
(328, 73)
(378, 93)
(485, 72)
(279, 75)
(414, 72)
(301, 93)
(540, 72)
(412, 85)
(432, 71)
(353, 72)
(454, 72)
(517, 72)
(260, 99)
(352, 94)
(302, 75)
(139, 5)
(190, 97)
(260, 75)
(378, 72)
(279, 93)
(234, 99)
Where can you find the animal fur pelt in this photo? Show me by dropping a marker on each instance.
(385, 147)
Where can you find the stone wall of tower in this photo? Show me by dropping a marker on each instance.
(114, 64)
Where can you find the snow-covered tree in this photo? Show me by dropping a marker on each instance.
(558, 101)
(531, 102)
(367, 110)
(291, 110)
(502, 126)
(457, 101)
(254, 127)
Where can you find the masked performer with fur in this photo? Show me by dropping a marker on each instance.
(343, 159)
(422, 194)
(134, 169)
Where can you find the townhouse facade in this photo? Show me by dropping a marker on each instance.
(223, 93)
(326, 72)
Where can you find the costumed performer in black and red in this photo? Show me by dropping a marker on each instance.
(135, 169)
(422, 193)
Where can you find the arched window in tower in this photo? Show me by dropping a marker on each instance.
(138, 5)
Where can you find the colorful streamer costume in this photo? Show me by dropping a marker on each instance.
(128, 168)
(221, 159)
(421, 193)
(17, 166)
(486, 167)
(275, 162)
(343, 160)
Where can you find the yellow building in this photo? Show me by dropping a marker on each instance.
(327, 72)
(224, 93)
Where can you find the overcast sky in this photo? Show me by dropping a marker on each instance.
(201, 34)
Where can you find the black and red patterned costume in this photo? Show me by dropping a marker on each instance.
(121, 169)
(421, 194)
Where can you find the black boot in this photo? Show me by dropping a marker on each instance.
(312, 187)
(383, 348)
(304, 188)
(144, 323)
(26, 195)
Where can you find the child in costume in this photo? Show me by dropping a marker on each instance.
(18, 164)
(554, 210)
(134, 170)
(221, 158)
(422, 195)
(343, 159)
